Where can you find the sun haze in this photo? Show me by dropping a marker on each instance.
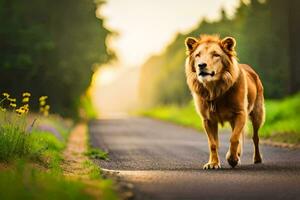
(145, 27)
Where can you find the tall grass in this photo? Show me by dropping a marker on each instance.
(31, 157)
(14, 142)
(16, 138)
(17, 143)
(26, 182)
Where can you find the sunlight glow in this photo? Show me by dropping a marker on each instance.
(145, 27)
(104, 76)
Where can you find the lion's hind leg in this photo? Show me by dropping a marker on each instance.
(257, 117)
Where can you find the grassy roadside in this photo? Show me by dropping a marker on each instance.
(184, 115)
(31, 163)
(282, 118)
(79, 166)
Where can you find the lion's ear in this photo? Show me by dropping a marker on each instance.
(190, 43)
(228, 43)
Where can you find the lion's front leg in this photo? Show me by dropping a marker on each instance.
(211, 129)
(234, 152)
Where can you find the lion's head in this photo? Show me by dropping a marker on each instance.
(211, 63)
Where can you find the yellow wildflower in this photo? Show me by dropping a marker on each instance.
(11, 99)
(42, 103)
(23, 109)
(25, 100)
(47, 107)
(26, 94)
(20, 111)
(2, 109)
(5, 94)
(43, 98)
(13, 105)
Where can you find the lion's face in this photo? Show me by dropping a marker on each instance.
(207, 61)
(208, 58)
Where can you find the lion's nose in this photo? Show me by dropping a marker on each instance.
(202, 65)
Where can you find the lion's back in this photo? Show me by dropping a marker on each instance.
(255, 87)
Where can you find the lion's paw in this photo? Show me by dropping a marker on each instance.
(232, 160)
(212, 166)
(257, 159)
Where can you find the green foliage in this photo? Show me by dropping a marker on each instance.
(94, 170)
(283, 120)
(45, 147)
(87, 108)
(262, 34)
(183, 115)
(49, 47)
(18, 143)
(107, 187)
(94, 153)
(14, 142)
(28, 183)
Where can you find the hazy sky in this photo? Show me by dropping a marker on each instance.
(146, 26)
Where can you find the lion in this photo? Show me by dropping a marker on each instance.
(224, 91)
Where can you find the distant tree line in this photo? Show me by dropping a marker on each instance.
(267, 34)
(48, 47)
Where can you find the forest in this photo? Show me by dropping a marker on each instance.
(267, 39)
(49, 47)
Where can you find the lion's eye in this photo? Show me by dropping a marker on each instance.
(197, 55)
(216, 55)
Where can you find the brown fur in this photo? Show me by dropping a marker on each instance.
(235, 94)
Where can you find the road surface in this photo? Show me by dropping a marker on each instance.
(164, 161)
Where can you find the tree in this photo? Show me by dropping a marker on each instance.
(48, 47)
(294, 32)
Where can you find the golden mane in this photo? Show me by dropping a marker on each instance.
(209, 38)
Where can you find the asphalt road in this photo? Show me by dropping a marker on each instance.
(164, 161)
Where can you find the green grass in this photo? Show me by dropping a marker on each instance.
(22, 150)
(94, 153)
(94, 170)
(24, 181)
(14, 143)
(27, 182)
(34, 146)
(282, 118)
(87, 109)
(184, 115)
(48, 150)
(34, 159)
